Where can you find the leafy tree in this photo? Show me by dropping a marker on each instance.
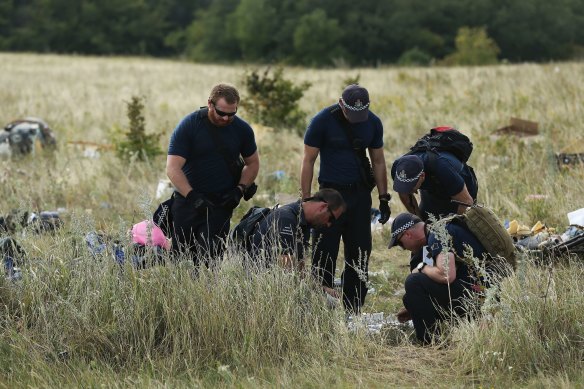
(473, 47)
(316, 39)
(256, 22)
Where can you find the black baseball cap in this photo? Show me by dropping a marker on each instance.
(402, 222)
(408, 169)
(356, 101)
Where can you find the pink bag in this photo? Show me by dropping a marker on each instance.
(147, 233)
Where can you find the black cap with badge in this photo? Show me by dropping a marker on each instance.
(355, 99)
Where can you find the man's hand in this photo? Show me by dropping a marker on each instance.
(197, 200)
(384, 208)
(232, 198)
(331, 292)
(403, 315)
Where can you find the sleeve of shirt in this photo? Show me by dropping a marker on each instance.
(314, 135)
(286, 232)
(377, 141)
(180, 141)
(448, 176)
(249, 145)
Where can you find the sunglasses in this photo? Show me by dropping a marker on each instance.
(399, 242)
(221, 113)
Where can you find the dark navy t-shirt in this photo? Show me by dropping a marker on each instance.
(338, 162)
(205, 167)
(283, 232)
(461, 237)
(445, 180)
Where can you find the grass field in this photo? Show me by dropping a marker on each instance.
(74, 320)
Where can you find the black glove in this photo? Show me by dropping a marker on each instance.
(384, 208)
(197, 200)
(250, 191)
(232, 198)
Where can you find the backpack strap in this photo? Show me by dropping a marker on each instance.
(220, 146)
(359, 153)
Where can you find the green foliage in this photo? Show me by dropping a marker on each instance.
(137, 142)
(350, 80)
(321, 33)
(273, 100)
(414, 57)
(317, 39)
(473, 47)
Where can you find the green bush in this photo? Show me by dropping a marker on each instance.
(414, 57)
(473, 47)
(137, 143)
(273, 101)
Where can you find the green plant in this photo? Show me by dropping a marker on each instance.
(137, 142)
(273, 100)
(414, 57)
(473, 47)
(350, 80)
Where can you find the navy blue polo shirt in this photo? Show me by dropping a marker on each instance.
(461, 237)
(283, 232)
(338, 162)
(205, 167)
(445, 180)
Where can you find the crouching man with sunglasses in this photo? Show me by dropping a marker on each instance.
(283, 236)
(436, 286)
(212, 163)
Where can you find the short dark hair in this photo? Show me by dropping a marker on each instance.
(226, 91)
(332, 197)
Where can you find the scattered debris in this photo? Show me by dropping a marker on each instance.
(373, 323)
(571, 155)
(519, 127)
(26, 136)
(164, 189)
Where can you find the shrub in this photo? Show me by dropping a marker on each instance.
(473, 47)
(414, 57)
(273, 101)
(137, 142)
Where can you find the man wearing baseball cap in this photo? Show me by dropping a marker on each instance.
(439, 177)
(341, 134)
(440, 280)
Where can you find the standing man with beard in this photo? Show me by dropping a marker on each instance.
(340, 134)
(212, 163)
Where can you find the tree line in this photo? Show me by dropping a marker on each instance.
(303, 32)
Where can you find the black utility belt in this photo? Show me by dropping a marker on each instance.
(353, 186)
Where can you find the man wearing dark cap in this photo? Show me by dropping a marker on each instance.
(440, 280)
(440, 177)
(340, 134)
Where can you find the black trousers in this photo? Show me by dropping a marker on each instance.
(200, 233)
(354, 227)
(428, 302)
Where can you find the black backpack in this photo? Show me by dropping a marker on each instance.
(242, 232)
(445, 139)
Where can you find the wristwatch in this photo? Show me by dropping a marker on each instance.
(385, 197)
(420, 266)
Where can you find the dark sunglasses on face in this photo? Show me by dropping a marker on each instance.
(221, 113)
(399, 242)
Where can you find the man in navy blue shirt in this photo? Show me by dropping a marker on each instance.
(440, 281)
(440, 177)
(338, 133)
(283, 235)
(203, 164)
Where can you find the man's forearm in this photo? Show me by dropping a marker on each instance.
(306, 174)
